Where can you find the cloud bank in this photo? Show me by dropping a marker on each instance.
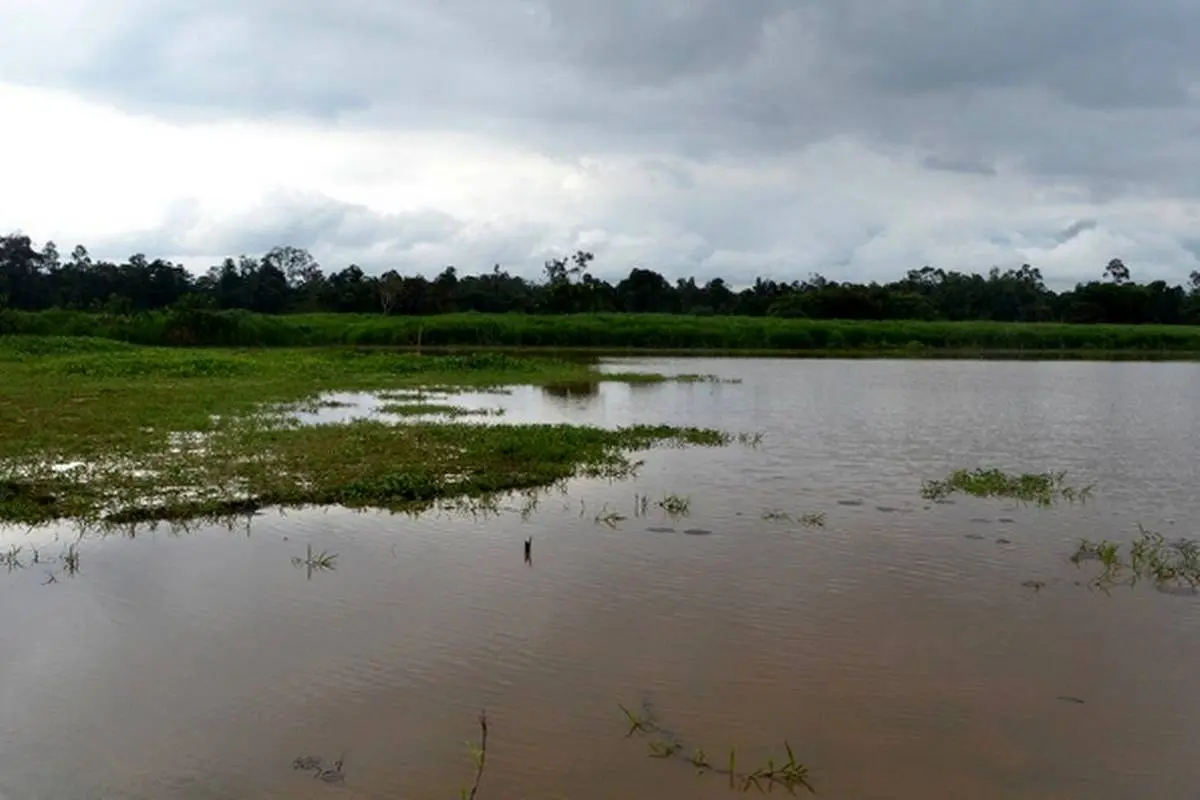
(856, 138)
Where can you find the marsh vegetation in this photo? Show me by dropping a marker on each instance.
(1043, 488)
(1169, 565)
(92, 429)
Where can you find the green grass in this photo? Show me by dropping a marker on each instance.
(1043, 488)
(616, 332)
(436, 409)
(169, 433)
(1171, 565)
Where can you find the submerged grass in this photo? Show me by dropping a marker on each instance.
(97, 429)
(1171, 565)
(438, 410)
(787, 774)
(1043, 489)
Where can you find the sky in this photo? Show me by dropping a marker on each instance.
(710, 138)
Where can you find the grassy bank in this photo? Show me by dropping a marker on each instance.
(612, 332)
(93, 428)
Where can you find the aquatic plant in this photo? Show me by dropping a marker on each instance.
(12, 558)
(437, 409)
(788, 774)
(675, 505)
(70, 558)
(751, 440)
(1042, 489)
(478, 758)
(134, 434)
(316, 765)
(809, 519)
(610, 518)
(1169, 564)
(315, 562)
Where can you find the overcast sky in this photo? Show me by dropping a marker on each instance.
(856, 138)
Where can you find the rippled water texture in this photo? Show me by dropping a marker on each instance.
(895, 648)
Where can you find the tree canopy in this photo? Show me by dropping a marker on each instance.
(288, 279)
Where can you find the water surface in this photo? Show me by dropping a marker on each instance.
(895, 648)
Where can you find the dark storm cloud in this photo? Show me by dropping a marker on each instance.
(1074, 229)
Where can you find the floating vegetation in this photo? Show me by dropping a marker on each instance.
(315, 562)
(751, 440)
(609, 518)
(1172, 565)
(437, 409)
(316, 765)
(809, 519)
(478, 758)
(1042, 489)
(1037, 586)
(70, 559)
(641, 504)
(787, 774)
(675, 505)
(698, 378)
(12, 558)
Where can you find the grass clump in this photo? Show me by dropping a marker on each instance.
(788, 774)
(809, 519)
(435, 409)
(1169, 565)
(1042, 489)
(675, 505)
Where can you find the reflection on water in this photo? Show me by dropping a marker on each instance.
(905, 649)
(579, 391)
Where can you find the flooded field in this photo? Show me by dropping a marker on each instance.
(800, 590)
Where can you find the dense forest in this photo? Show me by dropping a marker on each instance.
(289, 280)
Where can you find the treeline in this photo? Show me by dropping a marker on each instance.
(289, 280)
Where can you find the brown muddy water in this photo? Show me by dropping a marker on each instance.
(895, 648)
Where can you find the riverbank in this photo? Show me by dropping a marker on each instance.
(623, 333)
(100, 430)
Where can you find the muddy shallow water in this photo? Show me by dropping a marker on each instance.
(901, 648)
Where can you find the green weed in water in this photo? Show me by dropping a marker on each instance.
(1170, 565)
(436, 409)
(1042, 489)
(609, 518)
(315, 562)
(675, 505)
(787, 774)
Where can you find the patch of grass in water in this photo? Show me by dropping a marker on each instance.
(1043, 489)
(437, 409)
(1171, 565)
(787, 774)
(364, 463)
(809, 519)
(675, 505)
